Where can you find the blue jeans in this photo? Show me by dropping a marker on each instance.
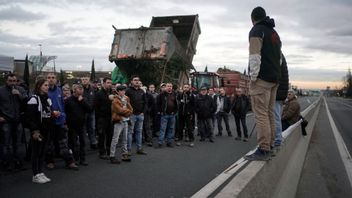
(278, 126)
(10, 141)
(135, 127)
(90, 127)
(167, 127)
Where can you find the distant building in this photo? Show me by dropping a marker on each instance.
(7, 63)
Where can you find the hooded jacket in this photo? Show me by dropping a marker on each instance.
(291, 111)
(264, 51)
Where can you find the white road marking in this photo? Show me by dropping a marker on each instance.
(345, 155)
(309, 101)
(339, 101)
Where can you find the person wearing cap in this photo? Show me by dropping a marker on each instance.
(205, 108)
(291, 110)
(264, 71)
(121, 110)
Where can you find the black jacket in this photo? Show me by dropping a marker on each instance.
(10, 105)
(227, 103)
(240, 106)
(102, 104)
(138, 100)
(282, 90)
(271, 49)
(38, 113)
(162, 103)
(88, 95)
(186, 103)
(76, 111)
(205, 106)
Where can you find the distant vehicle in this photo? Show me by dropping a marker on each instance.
(205, 79)
(160, 53)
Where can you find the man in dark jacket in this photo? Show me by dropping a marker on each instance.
(11, 98)
(264, 70)
(103, 115)
(223, 106)
(138, 101)
(280, 98)
(185, 115)
(76, 108)
(167, 108)
(89, 127)
(240, 107)
(205, 108)
(149, 115)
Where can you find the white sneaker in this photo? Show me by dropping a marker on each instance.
(45, 177)
(39, 179)
(191, 144)
(178, 143)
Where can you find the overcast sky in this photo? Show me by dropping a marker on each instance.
(316, 34)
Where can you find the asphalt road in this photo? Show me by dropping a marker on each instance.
(324, 174)
(167, 172)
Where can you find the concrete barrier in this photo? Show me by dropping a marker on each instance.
(278, 177)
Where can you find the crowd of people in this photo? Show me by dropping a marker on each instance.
(60, 119)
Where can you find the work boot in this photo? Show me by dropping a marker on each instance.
(72, 166)
(141, 152)
(113, 160)
(125, 158)
(258, 155)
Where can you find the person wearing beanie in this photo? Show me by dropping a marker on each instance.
(264, 71)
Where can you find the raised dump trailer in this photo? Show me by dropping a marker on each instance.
(162, 52)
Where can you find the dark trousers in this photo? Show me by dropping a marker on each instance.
(223, 116)
(205, 127)
(38, 154)
(185, 122)
(104, 126)
(58, 145)
(285, 124)
(77, 142)
(10, 141)
(241, 120)
(148, 127)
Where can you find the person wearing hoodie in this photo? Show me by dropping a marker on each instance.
(264, 70)
(58, 140)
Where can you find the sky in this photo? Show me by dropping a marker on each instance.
(316, 35)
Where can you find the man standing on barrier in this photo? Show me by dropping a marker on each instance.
(264, 70)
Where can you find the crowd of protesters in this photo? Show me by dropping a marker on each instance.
(60, 119)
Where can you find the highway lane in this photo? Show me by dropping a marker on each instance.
(325, 172)
(166, 172)
(341, 111)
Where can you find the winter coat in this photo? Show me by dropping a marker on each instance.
(88, 95)
(39, 114)
(227, 102)
(10, 105)
(118, 111)
(102, 104)
(240, 106)
(205, 106)
(186, 101)
(56, 96)
(282, 90)
(138, 100)
(291, 111)
(162, 103)
(264, 64)
(76, 111)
